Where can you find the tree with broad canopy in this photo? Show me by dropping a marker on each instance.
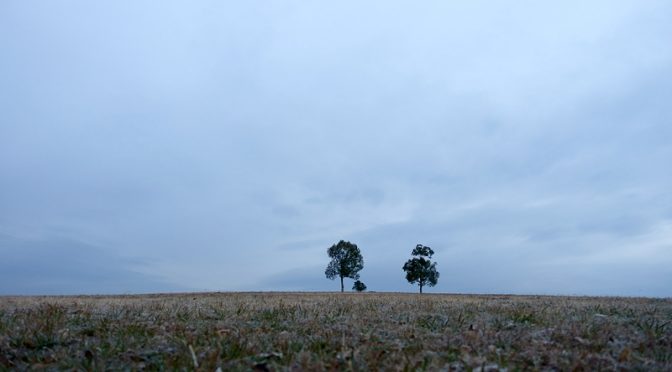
(346, 261)
(421, 270)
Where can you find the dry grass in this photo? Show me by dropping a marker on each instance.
(314, 331)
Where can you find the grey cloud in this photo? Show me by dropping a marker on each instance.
(214, 138)
(302, 279)
(63, 266)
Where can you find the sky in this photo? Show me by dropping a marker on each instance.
(224, 146)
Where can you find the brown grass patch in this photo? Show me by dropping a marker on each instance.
(356, 331)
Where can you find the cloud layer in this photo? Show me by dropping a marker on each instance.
(228, 146)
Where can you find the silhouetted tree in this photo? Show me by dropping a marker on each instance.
(359, 286)
(346, 261)
(421, 270)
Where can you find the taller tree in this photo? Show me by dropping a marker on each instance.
(346, 261)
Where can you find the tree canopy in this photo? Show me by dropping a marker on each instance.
(346, 261)
(421, 269)
(359, 286)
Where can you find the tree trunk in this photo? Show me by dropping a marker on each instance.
(341, 284)
(420, 287)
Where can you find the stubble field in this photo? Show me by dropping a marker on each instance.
(351, 331)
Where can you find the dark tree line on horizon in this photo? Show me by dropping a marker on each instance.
(347, 262)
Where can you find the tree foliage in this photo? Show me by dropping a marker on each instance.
(346, 262)
(359, 286)
(422, 250)
(421, 269)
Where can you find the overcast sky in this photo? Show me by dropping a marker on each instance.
(178, 146)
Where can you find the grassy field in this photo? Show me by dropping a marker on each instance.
(352, 331)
